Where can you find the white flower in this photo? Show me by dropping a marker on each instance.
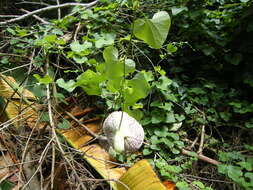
(123, 132)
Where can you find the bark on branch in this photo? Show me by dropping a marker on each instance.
(86, 5)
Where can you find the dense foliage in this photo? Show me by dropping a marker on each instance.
(183, 68)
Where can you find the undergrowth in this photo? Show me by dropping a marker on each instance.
(191, 90)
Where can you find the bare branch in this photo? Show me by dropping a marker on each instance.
(201, 157)
(202, 138)
(8, 16)
(59, 10)
(37, 17)
(33, 3)
(80, 123)
(86, 5)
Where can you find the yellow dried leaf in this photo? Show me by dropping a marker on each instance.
(14, 109)
(8, 86)
(141, 176)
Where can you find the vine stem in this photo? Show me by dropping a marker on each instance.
(86, 5)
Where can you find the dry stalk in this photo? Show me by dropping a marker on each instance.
(36, 17)
(201, 157)
(86, 5)
(54, 135)
(202, 138)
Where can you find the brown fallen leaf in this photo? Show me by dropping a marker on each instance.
(18, 111)
(5, 163)
(169, 185)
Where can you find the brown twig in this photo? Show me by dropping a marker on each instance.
(54, 135)
(9, 16)
(202, 138)
(86, 5)
(78, 28)
(59, 10)
(201, 157)
(80, 123)
(29, 171)
(53, 166)
(194, 142)
(14, 55)
(33, 3)
(37, 17)
(12, 69)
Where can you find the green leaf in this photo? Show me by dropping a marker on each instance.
(89, 81)
(154, 139)
(234, 59)
(246, 165)
(182, 185)
(199, 184)
(146, 152)
(115, 84)
(170, 118)
(104, 39)
(153, 31)
(44, 117)
(43, 80)
(249, 175)
(80, 59)
(137, 88)
(161, 132)
(77, 47)
(234, 172)
(173, 135)
(248, 147)
(163, 83)
(168, 142)
(69, 85)
(50, 38)
(148, 75)
(6, 185)
(175, 151)
(64, 124)
(171, 48)
(177, 10)
(175, 126)
(10, 30)
(110, 54)
(129, 66)
(197, 91)
(165, 106)
(157, 116)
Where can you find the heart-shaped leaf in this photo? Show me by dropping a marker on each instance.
(89, 81)
(137, 88)
(69, 85)
(153, 31)
(110, 54)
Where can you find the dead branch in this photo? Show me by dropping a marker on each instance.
(202, 138)
(36, 17)
(201, 157)
(86, 5)
(59, 10)
(80, 123)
